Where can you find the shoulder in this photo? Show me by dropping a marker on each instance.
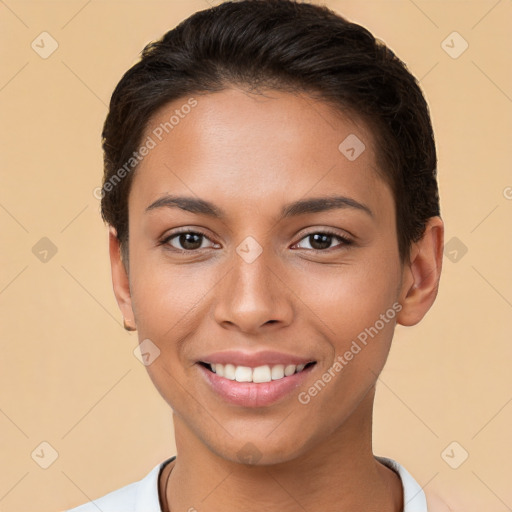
(413, 495)
(120, 499)
(415, 499)
(140, 496)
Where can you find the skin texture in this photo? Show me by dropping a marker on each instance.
(250, 155)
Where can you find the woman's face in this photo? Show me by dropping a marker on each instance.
(261, 280)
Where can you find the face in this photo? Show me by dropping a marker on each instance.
(235, 278)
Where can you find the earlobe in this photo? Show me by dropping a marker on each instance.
(420, 280)
(120, 281)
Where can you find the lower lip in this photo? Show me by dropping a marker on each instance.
(250, 394)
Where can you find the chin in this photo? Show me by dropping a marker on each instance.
(260, 452)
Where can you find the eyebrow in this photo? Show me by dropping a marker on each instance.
(300, 207)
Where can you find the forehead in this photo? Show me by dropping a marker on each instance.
(248, 149)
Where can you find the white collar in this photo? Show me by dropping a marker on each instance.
(142, 496)
(414, 497)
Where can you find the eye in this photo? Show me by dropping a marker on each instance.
(321, 240)
(189, 241)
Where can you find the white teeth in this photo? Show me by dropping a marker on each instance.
(277, 372)
(229, 371)
(289, 370)
(243, 374)
(260, 374)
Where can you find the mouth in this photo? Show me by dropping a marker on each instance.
(258, 375)
(256, 386)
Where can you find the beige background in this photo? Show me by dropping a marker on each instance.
(68, 375)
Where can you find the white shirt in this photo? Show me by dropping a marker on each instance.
(142, 496)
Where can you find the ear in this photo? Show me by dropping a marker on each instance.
(420, 278)
(120, 280)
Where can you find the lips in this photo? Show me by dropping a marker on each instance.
(254, 380)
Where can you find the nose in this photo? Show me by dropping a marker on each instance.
(253, 297)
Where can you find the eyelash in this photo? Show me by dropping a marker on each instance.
(344, 240)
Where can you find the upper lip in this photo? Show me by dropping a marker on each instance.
(254, 359)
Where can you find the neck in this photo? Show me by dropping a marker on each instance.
(339, 473)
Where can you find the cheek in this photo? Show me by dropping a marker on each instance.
(357, 314)
(164, 295)
(350, 297)
(168, 303)
(355, 308)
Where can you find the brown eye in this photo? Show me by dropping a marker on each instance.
(186, 241)
(321, 241)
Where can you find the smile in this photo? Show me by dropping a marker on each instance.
(260, 374)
